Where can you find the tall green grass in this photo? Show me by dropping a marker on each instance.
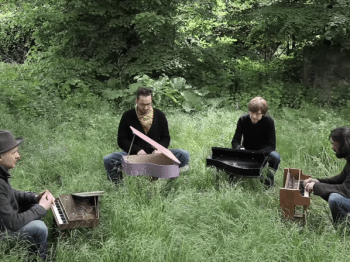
(199, 216)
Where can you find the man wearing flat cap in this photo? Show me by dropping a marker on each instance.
(21, 212)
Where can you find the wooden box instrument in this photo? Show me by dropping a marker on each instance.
(162, 165)
(77, 210)
(246, 163)
(293, 194)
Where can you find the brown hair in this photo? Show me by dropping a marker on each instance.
(258, 103)
(144, 91)
(342, 136)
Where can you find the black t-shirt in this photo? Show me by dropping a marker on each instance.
(260, 136)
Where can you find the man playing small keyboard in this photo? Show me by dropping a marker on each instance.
(258, 133)
(151, 122)
(336, 189)
(20, 212)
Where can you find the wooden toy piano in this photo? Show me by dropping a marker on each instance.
(293, 194)
(77, 210)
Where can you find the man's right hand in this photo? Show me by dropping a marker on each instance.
(309, 180)
(47, 200)
(142, 152)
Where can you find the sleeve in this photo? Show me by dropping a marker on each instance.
(338, 184)
(125, 136)
(164, 135)
(237, 138)
(13, 220)
(270, 144)
(24, 197)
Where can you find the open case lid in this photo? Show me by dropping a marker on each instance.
(153, 143)
(88, 194)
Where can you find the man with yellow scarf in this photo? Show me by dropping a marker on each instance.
(149, 121)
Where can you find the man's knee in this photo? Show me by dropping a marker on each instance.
(333, 199)
(276, 157)
(36, 230)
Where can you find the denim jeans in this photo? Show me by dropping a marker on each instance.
(35, 232)
(113, 163)
(274, 159)
(339, 205)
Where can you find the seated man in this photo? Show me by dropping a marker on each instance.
(149, 121)
(336, 189)
(20, 212)
(258, 132)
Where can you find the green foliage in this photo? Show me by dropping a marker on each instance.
(15, 40)
(100, 40)
(174, 92)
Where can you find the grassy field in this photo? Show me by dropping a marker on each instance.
(197, 217)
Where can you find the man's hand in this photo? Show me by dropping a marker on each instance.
(310, 187)
(38, 197)
(156, 152)
(47, 200)
(142, 152)
(309, 180)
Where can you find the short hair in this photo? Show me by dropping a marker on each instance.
(258, 103)
(341, 135)
(144, 91)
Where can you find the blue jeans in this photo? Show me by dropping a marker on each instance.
(113, 163)
(339, 205)
(274, 160)
(35, 232)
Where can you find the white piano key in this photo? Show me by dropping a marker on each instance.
(58, 216)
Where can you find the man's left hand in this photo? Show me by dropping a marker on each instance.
(156, 152)
(39, 196)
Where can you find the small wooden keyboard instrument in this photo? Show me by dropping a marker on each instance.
(77, 210)
(293, 194)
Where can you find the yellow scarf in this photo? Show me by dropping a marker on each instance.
(145, 120)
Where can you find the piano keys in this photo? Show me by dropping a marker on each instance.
(247, 163)
(293, 194)
(161, 165)
(77, 210)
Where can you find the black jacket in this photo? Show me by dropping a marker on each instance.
(159, 132)
(337, 184)
(11, 201)
(260, 136)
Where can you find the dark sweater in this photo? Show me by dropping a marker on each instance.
(260, 136)
(337, 184)
(159, 132)
(11, 201)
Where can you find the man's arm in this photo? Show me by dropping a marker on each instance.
(125, 136)
(24, 197)
(164, 132)
(336, 184)
(270, 143)
(237, 138)
(11, 219)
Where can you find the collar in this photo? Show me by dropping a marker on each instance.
(4, 173)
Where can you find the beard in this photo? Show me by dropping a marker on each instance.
(341, 155)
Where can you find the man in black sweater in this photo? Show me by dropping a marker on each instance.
(258, 133)
(21, 212)
(151, 122)
(336, 189)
